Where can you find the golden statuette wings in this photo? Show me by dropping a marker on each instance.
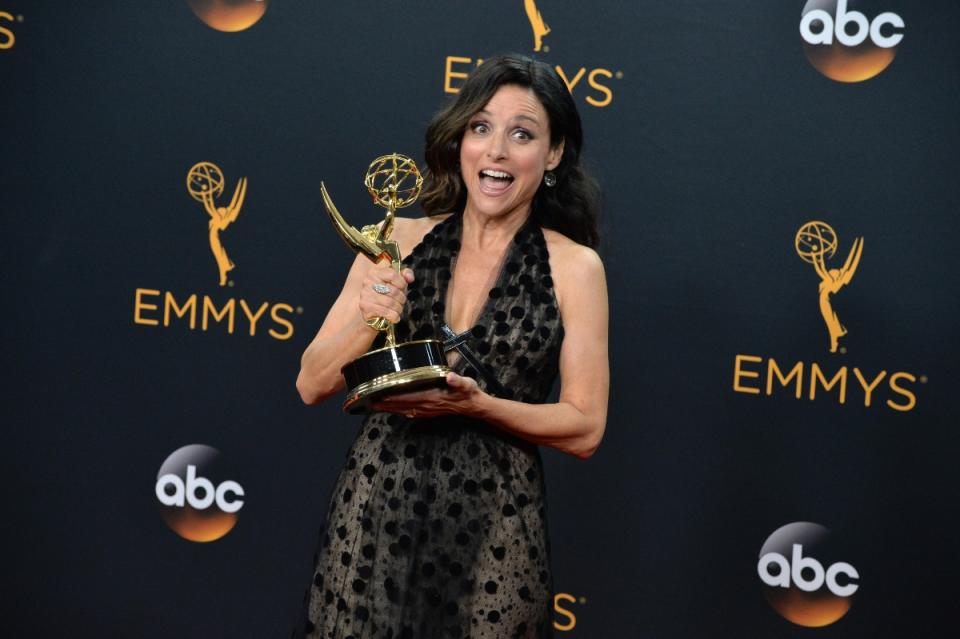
(372, 241)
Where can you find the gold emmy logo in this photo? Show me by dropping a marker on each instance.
(539, 27)
(594, 84)
(815, 243)
(204, 183)
(155, 306)
(229, 15)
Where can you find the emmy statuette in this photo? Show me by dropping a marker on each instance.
(394, 182)
(816, 242)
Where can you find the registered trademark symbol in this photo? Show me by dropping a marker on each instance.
(583, 600)
(843, 349)
(20, 18)
(923, 379)
(230, 283)
(619, 75)
(299, 310)
(546, 48)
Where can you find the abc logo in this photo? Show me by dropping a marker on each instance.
(230, 16)
(196, 500)
(846, 44)
(803, 580)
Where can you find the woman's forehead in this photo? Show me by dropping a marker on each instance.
(514, 101)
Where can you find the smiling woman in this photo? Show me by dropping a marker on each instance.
(437, 526)
(571, 206)
(505, 152)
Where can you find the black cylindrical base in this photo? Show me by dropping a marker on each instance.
(393, 369)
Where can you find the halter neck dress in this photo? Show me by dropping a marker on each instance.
(437, 527)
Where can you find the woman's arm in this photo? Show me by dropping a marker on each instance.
(575, 424)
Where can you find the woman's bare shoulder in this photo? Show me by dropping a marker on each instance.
(568, 255)
(576, 269)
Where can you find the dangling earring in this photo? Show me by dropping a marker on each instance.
(550, 178)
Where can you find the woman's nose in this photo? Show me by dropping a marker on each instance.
(497, 148)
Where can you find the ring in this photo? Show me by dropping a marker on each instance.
(383, 289)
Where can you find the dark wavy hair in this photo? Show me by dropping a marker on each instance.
(571, 207)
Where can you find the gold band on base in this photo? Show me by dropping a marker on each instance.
(368, 390)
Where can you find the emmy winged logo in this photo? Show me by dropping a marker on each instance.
(154, 306)
(816, 242)
(590, 83)
(540, 28)
(205, 183)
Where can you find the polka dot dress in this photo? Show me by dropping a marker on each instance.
(437, 527)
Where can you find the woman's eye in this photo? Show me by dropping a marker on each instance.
(479, 127)
(522, 134)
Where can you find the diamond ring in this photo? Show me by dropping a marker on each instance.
(383, 289)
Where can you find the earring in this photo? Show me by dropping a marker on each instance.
(550, 178)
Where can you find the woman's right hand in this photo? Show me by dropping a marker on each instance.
(387, 305)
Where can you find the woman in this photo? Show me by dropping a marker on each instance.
(437, 526)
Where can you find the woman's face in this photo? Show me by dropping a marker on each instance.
(505, 151)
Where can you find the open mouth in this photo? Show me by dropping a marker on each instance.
(494, 182)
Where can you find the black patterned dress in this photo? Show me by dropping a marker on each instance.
(437, 527)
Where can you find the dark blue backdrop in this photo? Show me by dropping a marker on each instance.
(716, 141)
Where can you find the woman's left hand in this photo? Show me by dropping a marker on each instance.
(460, 397)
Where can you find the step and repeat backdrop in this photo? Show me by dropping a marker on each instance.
(780, 232)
